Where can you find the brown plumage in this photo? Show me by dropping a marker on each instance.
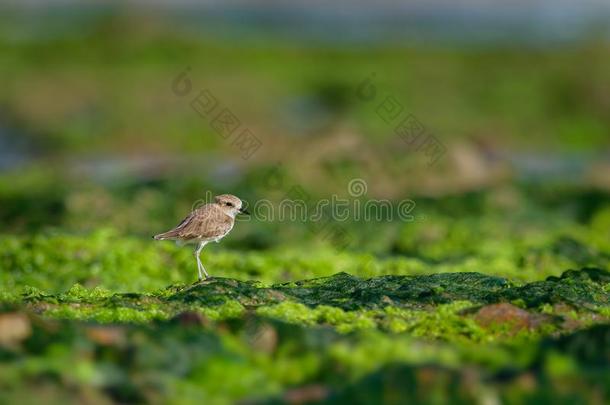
(205, 223)
(209, 223)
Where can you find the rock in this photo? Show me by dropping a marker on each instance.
(106, 335)
(506, 314)
(264, 338)
(306, 394)
(14, 328)
(191, 318)
(580, 288)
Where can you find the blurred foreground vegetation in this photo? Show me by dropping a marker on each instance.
(463, 337)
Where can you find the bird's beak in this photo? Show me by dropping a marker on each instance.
(244, 211)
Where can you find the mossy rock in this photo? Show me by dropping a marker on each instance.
(342, 290)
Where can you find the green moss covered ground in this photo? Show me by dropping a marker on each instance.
(476, 303)
(496, 292)
(79, 325)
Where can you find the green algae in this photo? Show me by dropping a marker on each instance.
(405, 318)
(458, 235)
(438, 306)
(379, 327)
(121, 362)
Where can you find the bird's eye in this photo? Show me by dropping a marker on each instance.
(229, 204)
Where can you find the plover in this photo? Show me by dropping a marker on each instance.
(209, 223)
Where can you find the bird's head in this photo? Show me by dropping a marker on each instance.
(230, 205)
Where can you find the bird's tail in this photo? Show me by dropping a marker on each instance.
(166, 235)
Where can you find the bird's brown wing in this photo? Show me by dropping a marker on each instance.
(206, 222)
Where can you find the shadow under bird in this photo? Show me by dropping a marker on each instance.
(208, 223)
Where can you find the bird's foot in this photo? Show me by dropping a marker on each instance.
(203, 280)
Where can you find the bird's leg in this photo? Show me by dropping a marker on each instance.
(199, 269)
(204, 272)
(199, 265)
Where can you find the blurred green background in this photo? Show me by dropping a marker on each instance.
(98, 153)
(94, 136)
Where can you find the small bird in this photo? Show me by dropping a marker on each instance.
(209, 223)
